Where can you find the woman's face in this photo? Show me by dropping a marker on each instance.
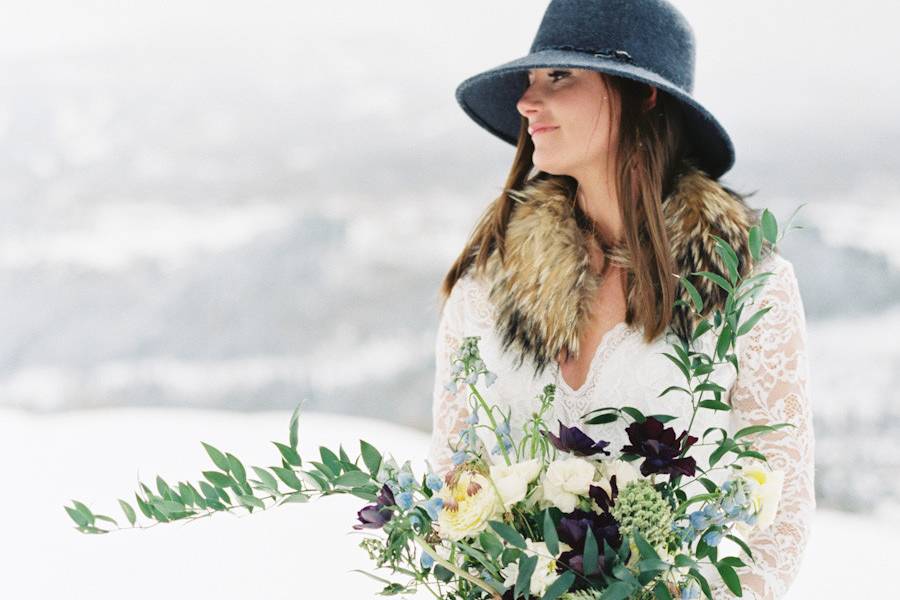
(575, 103)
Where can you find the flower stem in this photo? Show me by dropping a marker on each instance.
(493, 421)
(454, 569)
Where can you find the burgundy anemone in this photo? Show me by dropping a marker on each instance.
(660, 448)
(575, 441)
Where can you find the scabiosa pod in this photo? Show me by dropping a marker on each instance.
(641, 507)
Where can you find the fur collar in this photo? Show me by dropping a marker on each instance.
(544, 288)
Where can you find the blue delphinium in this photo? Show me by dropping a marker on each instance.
(713, 537)
(731, 507)
(434, 482)
(432, 506)
(690, 591)
(405, 500)
(405, 480)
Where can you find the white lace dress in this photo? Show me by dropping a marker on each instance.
(627, 371)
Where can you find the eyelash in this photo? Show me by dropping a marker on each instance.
(553, 74)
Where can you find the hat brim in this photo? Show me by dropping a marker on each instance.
(490, 99)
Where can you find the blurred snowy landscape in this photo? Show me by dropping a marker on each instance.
(226, 207)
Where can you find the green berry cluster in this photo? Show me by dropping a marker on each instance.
(639, 506)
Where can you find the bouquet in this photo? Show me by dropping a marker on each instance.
(552, 514)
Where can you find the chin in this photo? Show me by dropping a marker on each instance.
(549, 166)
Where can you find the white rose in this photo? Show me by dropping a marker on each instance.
(566, 480)
(468, 506)
(544, 572)
(765, 493)
(512, 480)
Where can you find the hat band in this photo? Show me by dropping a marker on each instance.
(620, 55)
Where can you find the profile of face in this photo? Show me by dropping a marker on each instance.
(570, 120)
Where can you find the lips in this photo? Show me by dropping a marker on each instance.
(542, 129)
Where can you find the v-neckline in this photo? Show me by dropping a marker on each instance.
(615, 332)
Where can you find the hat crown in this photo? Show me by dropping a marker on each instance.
(653, 33)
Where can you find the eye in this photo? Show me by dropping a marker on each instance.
(554, 75)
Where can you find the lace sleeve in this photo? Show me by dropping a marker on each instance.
(772, 387)
(449, 410)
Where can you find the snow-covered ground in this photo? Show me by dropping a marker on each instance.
(295, 551)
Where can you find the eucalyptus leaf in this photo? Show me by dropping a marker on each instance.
(730, 578)
(217, 457)
(352, 479)
(742, 544)
(80, 519)
(617, 590)
(591, 553)
(266, 478)
(702, 327)
(714, 405)
(220, 480)
(292, 429)
(551, 539)
(704, 584)
(512, 537)
(236, 468)
(129, 512)
(644, 547)
(717, 279)
(523, 580)
(602, 418)
(661, 591)
(693, 293)
(755, 239)
(747, 325)
(634, 413)
(295, 497)
(490, 544)
(288, 477)
(251, 501)
(371, 457)
(560, 586)
(759, 429)
(769, 227)
(331, 460)
(289, 454)
(143, 506)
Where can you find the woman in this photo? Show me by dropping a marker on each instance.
(571, 274)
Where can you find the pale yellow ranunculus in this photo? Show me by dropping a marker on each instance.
(765, 493)
(468, 505)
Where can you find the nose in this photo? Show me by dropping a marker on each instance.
(529, 101)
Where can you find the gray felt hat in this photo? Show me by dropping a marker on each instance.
(644, 40)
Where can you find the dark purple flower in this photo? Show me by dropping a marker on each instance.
(573, 529)
(574, 440)
(386, 496)
(374, 516)
(604, 501)
(660, 448)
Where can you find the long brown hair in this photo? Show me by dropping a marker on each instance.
(650, 153)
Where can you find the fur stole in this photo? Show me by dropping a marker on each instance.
(545, 286)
